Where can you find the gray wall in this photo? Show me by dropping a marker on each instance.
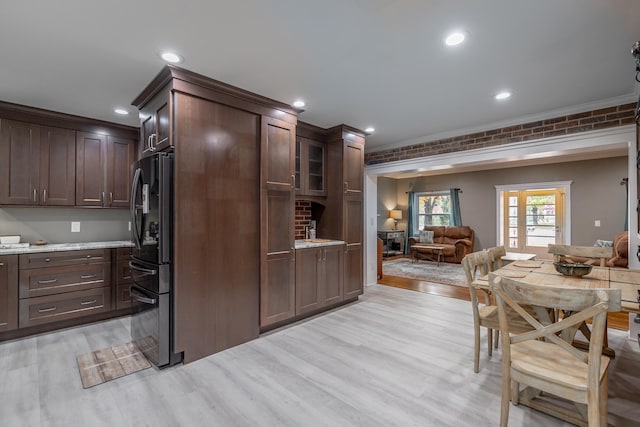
(54, 224)
(387, 200)
(596, 193)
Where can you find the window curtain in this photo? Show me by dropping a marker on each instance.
(410, 217)
(456, 219)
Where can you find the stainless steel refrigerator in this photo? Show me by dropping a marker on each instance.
(151, 262)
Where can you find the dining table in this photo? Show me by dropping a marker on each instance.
(543, 272)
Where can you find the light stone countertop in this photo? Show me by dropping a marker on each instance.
(317, 243)
(57, 247)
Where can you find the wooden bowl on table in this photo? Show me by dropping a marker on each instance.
(572, 269)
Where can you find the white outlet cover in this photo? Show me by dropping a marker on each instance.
(75, 226)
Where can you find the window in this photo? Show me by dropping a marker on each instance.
(432, 209)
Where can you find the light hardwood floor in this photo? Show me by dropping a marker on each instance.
(394, 358)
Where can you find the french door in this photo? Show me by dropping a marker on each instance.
(532, 219)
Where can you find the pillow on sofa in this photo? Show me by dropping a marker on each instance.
(604, 243)
(425, 236)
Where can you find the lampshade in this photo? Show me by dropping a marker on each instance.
(395, 214)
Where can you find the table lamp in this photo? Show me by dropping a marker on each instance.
(395, 214)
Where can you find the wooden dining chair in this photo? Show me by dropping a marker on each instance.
(485, 313)
(544, 360)
(495, 257)
(596, 254)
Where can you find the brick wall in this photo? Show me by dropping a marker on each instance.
(564, 125)
(303, 217)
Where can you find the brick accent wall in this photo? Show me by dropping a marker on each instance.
(563, 125)
(303, 217)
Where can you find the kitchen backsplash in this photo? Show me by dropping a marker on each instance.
(54, 224)
(303, 217)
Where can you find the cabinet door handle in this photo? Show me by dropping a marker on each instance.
(44, 310)
(35, 195)
(151, 138)
(44, 282)
(1, 264)
(89, 276)
(346, 187)
(44, 196)
(293, 181)
(102, 197)
(110, 198)
(93, 301)
(47, 260)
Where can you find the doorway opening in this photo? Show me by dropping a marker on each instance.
(532, 216)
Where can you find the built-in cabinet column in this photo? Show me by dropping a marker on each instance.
(353, 211)
(277, 284)
(8, 292)
(344, 214)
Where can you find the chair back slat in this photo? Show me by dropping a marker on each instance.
(585, 303)
(569, 251)
(495, 257)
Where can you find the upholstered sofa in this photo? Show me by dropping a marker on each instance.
(455, 242)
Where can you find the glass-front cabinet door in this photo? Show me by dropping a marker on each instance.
(310, 167)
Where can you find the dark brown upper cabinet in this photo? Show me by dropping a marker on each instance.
(103, 170)
(37, 163)
(156, 124)
(311, 165)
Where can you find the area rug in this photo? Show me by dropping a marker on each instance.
(110, 363)
(426, 271)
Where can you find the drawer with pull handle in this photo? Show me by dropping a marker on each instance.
(52, 308)
(53, 259)
(36, 282)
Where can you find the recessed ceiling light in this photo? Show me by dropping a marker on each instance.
(370, 130)
(503, 95)
(298, 104)
(171, 57)
(454, 39)
(121, 111)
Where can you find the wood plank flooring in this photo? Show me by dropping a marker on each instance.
(618, 321)
(394, 358)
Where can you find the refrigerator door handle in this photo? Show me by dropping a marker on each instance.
(137, 177)
(146, 271)
(141, 297)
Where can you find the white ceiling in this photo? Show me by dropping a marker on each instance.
(378, 63)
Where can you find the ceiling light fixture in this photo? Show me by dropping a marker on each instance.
(174, 58)
(454, 39)
(299, 104)
(121, 111)
(503, 95)
(370, 129)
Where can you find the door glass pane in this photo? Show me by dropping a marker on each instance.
(540, 219)
(513, 222)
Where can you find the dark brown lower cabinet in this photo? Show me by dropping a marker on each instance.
(8, 292)
(353, 277)
(68, 305)
(55, 286)
(319, 277)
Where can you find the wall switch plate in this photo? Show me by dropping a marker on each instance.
(75, 226)
(596, 223)
(129, 225)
